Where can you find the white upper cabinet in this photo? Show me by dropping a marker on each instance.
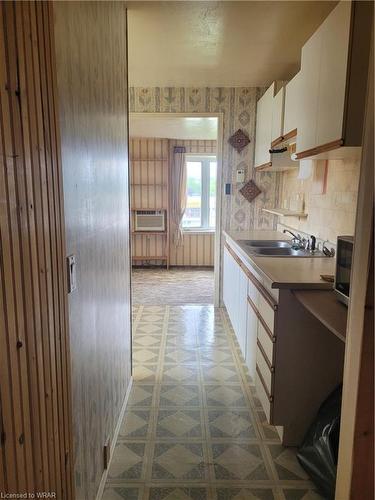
(269, 127)
(264, 127)
(307, 99)
(325, 101)
(278, 115)
(332, 83)
(332, 78)
(291, 105)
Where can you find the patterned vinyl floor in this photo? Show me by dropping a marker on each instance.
(194, 428)
(175, 286)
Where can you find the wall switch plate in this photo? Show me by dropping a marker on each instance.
(240, 175)
(228, 188)
(72, 273)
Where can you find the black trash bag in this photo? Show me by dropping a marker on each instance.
(319, 450)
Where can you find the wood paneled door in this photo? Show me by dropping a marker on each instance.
(91, 61)
(34, 377)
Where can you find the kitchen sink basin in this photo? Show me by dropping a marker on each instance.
(275, 248)
(285, 252)
(266, 243)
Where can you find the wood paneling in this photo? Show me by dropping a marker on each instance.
(149, 170)
(194, 146)
(149, 173)
(151, 245)
(34, 366)
(197, 249)
(143, 148)
(92, 89)
(151, 161)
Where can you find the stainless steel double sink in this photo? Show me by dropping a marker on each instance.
(275, 248)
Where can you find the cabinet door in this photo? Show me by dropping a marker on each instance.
(264, 127)
(226, 279)
(230, 288)
(278, 115)
(333, 69)
(251, 340)
(291, 104)
(242, 311)
(309, 92)
(235, 273)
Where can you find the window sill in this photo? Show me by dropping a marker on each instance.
(198, 231)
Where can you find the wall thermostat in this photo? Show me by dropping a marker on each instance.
(241, 175)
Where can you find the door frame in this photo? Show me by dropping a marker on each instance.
(219, 184)
(357, 412)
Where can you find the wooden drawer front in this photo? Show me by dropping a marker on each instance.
(265, 341)
(264, 368)
(263, 398)
(267, 312)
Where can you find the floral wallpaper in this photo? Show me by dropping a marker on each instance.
(238, 105)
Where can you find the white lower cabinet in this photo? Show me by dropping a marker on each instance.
(251, 310)
(284, 348)
(231, 272)
(244, 303)
(226, 279)
(234, 297)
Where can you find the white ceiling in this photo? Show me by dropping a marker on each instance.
(225, 43)
(172, 127)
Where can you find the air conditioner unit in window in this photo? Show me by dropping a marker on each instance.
(150, 220)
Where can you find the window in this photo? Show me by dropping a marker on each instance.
(200, 210)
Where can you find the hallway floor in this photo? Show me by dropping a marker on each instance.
(178, 285)
(193, 427)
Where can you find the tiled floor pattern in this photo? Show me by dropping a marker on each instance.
(194, 428)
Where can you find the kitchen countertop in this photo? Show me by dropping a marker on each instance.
(284, 272)
(324, 305)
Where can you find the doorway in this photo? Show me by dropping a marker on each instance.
(175, 262)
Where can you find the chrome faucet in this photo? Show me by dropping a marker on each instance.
(297, 240)
(293, 234)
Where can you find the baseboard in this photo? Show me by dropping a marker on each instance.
(114, 439)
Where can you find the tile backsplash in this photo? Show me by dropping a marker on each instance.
(329, 214)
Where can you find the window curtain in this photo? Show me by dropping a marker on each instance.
(178, 192)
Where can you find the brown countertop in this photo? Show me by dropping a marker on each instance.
(284, 272)
(323, 304)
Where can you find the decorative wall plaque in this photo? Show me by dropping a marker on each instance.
(250, 191)
(239, 140)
